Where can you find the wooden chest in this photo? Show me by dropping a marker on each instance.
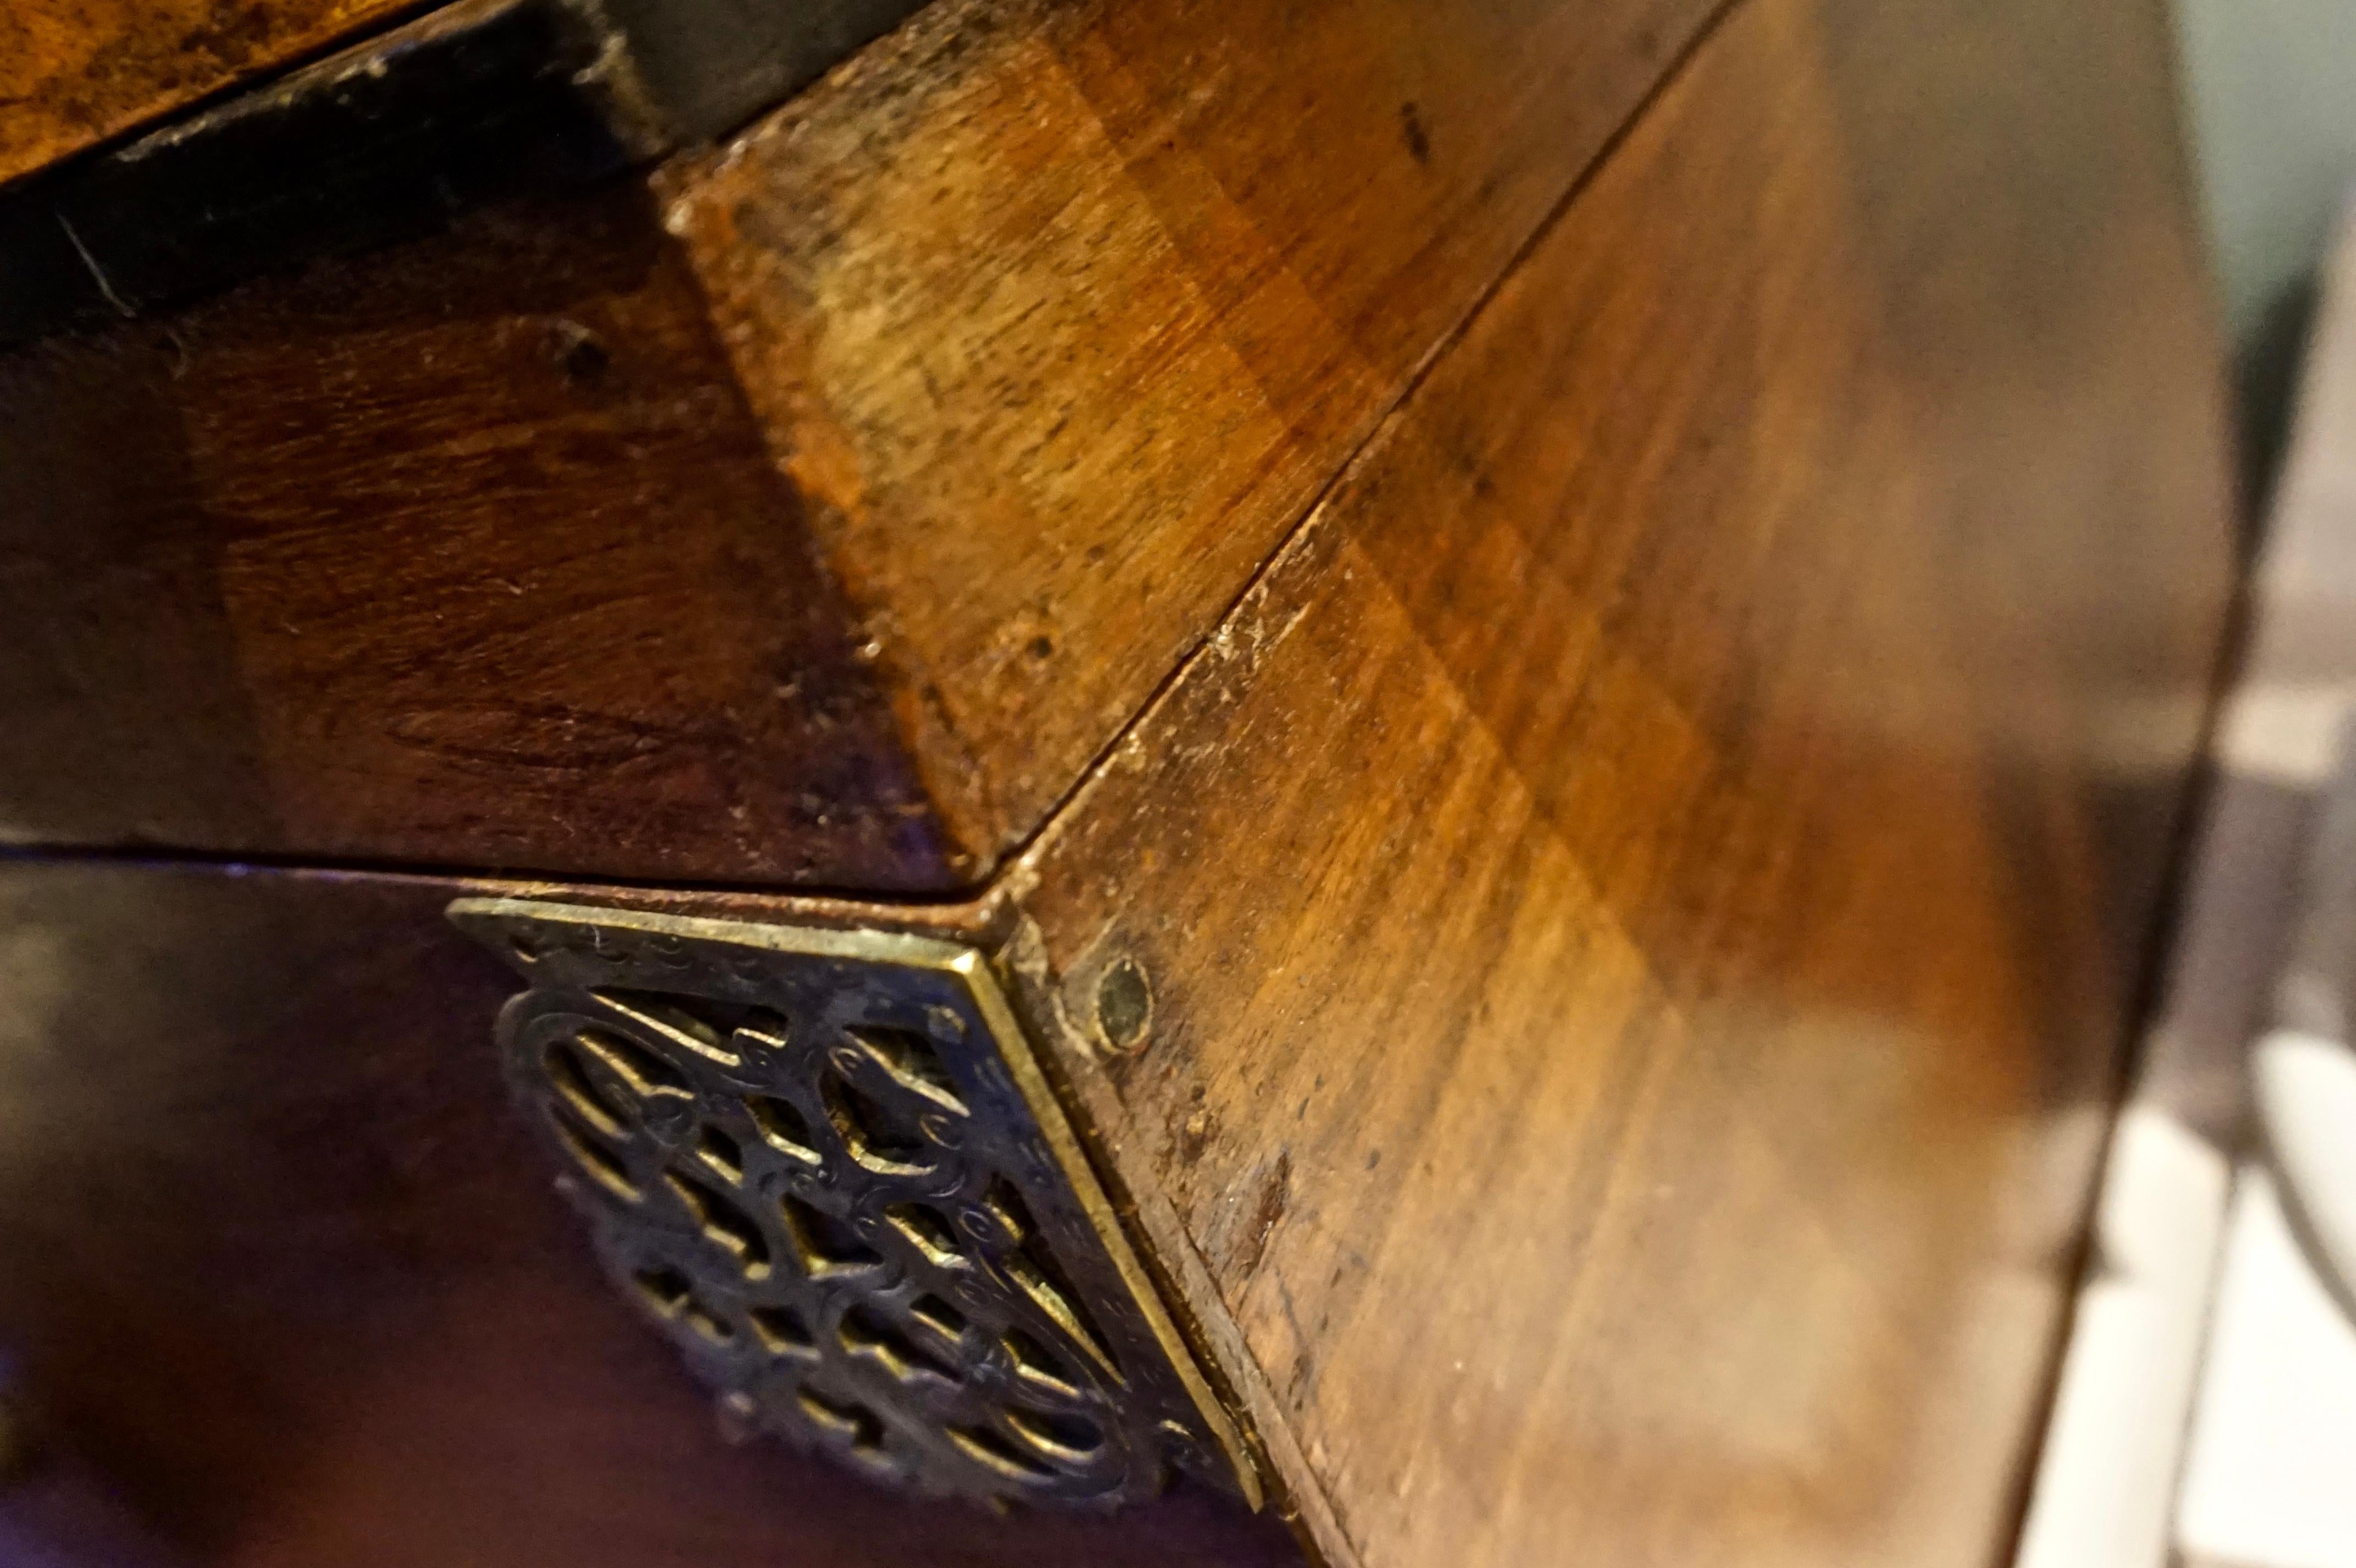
(1388, 776)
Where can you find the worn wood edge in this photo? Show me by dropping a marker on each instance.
(1243, 634)
(948, 770)
(942, 757)
(1239, 630)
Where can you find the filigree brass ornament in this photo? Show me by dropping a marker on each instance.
(827, 1166)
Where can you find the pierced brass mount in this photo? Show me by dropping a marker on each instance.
(828, 1166)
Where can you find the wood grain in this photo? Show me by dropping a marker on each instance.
(283, 1271)
(470, 556)
(76, 73)
(1060, 316)
(1642, 904)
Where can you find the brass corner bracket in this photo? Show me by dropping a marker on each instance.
(828, 1166)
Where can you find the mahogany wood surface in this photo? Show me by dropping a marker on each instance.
(1052, 318)
(75, 72)
(285, 1282)
(1642, 904)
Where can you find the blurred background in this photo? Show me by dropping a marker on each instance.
(2206, 1408)
(2272, 118)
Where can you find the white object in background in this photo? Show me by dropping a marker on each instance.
(2104, 1494)
(2304, 1074)
(2108, 1472)
(2270, 1472)
(2270, 1481)
(2307, 1093)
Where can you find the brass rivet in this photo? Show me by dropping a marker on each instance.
(1124, 1006)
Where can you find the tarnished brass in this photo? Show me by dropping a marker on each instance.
(827, 1165)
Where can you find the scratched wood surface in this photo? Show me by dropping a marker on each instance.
(75, 72)
(1640, 905)
(286, 1282)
